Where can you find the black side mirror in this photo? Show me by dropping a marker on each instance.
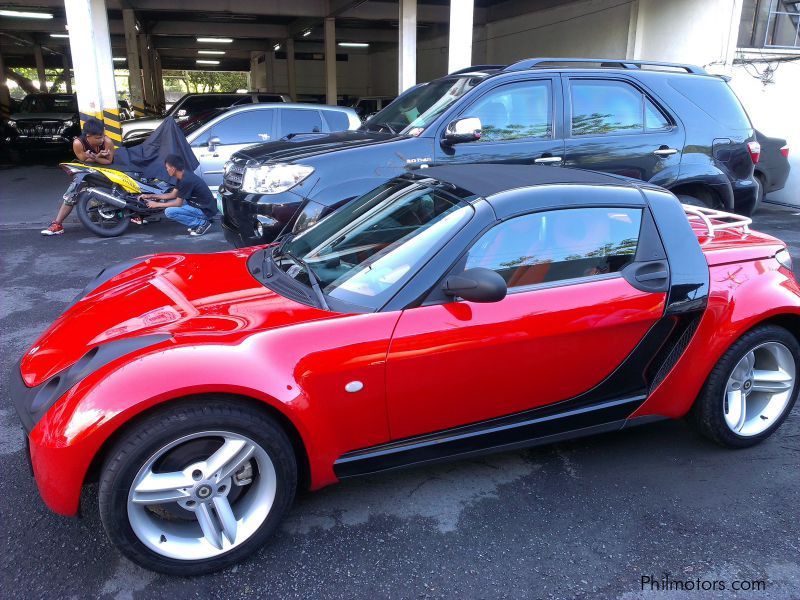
(476, 285)
(463, 130)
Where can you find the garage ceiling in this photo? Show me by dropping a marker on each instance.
(255, 26)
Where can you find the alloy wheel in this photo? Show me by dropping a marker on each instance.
(759, 389)
(219, 495)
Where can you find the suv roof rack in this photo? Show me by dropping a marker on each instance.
(614, 63)
(725, 220)
(478, 68)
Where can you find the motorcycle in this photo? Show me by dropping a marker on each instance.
(106, 199)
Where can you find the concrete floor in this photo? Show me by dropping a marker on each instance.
(583, 519)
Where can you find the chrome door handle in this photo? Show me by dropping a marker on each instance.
(548, 160)
(665, 151)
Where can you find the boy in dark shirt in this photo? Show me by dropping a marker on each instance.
(190, 202)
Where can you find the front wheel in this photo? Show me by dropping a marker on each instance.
(197, 487)
(751, 390)
(100, 217)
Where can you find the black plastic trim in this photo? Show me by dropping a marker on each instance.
(31, 403)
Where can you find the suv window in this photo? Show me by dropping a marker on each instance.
(201, 103)
(337, 121)
(602, 107)
(298, 120)
(245, 127)
(516, 111)
(270, 98)
(558, 245)
(715, 98)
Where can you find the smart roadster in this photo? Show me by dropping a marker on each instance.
(449, 312)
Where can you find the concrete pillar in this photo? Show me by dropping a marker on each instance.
(460, 52)
(330, 61)
(290, 69)
(5, 95)
(90, 46)
(148, 95)
(258, 71)
(37, 52)
(158, 82)
(407, 51)
(134, 70)
(67, 73)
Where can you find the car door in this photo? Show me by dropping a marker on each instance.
(214, 147)
(570, 318)
(520, 125)
(613, 125)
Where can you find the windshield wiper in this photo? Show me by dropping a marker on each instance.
(312, 277)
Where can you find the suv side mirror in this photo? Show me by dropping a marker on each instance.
(181, 112)
(213, 143)
(463, 130)
(476, 285)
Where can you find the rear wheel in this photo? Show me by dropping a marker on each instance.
(751, 390)
(197, 488)
(100, 217)
(703, 200)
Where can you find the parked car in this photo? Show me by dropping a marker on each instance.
(192, 104)
(366, 106)
(581, 302)
(672, 125)
(125, 110)
(772, 169)
(44, 121)
(216, 134)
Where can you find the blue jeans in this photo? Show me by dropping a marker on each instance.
(188, 215)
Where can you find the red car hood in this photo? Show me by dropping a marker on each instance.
(180, 294)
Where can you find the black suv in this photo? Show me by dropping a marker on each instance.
(672, 125)
(44, 121)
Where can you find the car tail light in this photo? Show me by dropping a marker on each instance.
(785, 151)
(755, 151)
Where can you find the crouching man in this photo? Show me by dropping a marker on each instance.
(190, 202)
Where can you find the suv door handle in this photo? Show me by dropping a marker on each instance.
(663, 151)
(548, 160)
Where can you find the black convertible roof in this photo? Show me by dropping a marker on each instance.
(487, 180)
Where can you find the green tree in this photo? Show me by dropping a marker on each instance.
(205, 81)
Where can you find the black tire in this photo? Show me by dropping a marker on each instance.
(163, 426)
(704, 202)
(707, 413)
(94, 222)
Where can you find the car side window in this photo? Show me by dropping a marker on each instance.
(604, 107)
(248, 127)
(558, 245)
(654, 119)
(297, 120)
(337, 120)
(514, 112)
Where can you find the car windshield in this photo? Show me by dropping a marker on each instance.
(419, 107)
(49, 104)
(366, 251)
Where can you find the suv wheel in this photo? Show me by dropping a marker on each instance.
(701, 200)
(198, 487)
(751, 390)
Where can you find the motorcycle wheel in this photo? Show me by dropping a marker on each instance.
(101, 218)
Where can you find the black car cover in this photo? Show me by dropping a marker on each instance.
(147, 158)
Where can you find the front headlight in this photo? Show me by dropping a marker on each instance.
(785, 259)
(68, 123)
(12, 123)
(274, 179)
(310, 216)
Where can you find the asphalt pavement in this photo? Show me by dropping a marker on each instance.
(582, 519)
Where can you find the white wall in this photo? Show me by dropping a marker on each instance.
(774, 109)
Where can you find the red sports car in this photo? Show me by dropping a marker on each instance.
(449, 312)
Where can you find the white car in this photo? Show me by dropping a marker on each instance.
(190, 105)
(223, 132)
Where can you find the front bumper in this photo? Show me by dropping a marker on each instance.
(26, 142)
(251, 220)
